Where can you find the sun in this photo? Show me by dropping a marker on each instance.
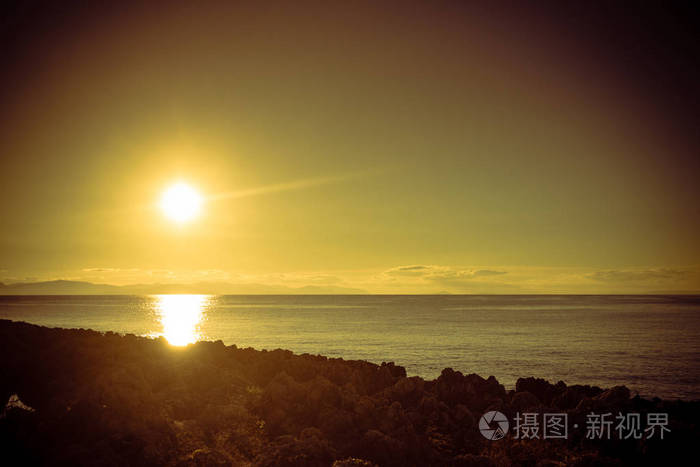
(181, 203)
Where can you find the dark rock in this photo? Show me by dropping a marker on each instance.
(395, 370)
(106, 399)
(617, 395)
(353, 462)
(524, 400)
(569, 399)
(471, 460)
(540, 388)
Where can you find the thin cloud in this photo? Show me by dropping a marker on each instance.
(416, 270)
(488, 272)
(441, 273)
(294, 185)
(413, 268)
(644, 275)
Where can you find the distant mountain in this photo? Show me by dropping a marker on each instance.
(327, 290)
(58, 287)
(65, 287)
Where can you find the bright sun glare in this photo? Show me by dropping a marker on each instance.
(181, 202)
(180, 316)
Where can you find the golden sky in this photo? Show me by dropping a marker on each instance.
(384, 147)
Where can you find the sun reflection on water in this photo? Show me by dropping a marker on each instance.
(180, 316)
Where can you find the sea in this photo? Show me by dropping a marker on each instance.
(651, 344)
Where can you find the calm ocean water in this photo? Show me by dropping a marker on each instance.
(649, 343)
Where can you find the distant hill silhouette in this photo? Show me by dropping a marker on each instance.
(66, 287)
(58, 287)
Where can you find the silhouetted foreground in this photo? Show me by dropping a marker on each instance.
(106, 399)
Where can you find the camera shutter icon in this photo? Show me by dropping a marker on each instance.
(493, 425)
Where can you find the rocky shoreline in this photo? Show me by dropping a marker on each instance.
(93, 398)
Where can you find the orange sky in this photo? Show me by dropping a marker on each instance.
(390, 148)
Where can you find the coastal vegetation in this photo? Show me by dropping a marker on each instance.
(80, 397)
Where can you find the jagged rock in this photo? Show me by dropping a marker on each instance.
(569, 399)
(127, 400)
(381, 447)
(471, 460)
(540, 388)
(206, 457)
(617, 395)
(614, 399)
(395, 370)
(408, 389)
(14, 403)
(463, 416)
(353, 462)
(524, 400)
(472, 390)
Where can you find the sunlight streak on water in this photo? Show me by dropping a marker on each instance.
(180, 316)
(649, 343)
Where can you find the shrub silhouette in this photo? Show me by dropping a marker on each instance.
(107, 399)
